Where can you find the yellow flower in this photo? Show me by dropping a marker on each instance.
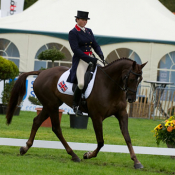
(159, 126)
(171, 123)
(155, 128)
(166, 124)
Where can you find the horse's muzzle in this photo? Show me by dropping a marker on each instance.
(131, 97)
(131, 100)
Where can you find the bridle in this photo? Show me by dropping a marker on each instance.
(125, 87)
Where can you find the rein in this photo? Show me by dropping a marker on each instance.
(125, 88)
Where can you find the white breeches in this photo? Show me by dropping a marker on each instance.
(81, 70)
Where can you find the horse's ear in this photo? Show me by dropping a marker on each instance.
(143, 64)
(133, 65)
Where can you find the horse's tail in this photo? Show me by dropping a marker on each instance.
(17, 94)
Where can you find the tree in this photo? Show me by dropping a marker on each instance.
(28, 3)
(8, 70)
(6, 92)
(169, 4)
(51, 54)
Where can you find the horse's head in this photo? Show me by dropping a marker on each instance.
(131, 80)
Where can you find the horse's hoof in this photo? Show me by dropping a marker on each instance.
(87, 155)
(138, 166)
(22, 151)
(77, 159)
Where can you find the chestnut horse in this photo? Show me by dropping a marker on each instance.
(113, 84)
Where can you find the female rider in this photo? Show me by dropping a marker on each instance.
(81, 41)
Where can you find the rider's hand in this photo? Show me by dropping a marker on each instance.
(94, 60)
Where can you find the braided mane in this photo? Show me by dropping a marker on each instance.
(119, 60)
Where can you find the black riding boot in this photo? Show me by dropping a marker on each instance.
(76, 99)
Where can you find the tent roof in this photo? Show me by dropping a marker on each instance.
(111, 20)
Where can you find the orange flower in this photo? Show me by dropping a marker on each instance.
(170, 128)
(173, 121)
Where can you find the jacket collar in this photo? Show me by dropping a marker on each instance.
(78, 28)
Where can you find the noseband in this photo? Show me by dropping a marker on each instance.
(125, 87)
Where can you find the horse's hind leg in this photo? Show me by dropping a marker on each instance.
(36, 124)
(123, 122)
(57, 130)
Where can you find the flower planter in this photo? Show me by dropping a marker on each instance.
(4, 110)
(1, 111)
(47, 122)
(78, 122)
(171, 146)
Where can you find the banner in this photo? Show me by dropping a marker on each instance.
(11, 7)
(26, 104)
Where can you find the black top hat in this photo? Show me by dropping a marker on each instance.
(82, 15)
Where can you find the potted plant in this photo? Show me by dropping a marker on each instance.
(47, 122)
(165, 132)
(8, 70)
(51, 54)
(78, 122)
(6, 97)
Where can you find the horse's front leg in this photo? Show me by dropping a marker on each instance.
(123, 122)
(57, 130)
(97, 123)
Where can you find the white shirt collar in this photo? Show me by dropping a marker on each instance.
(82, 28)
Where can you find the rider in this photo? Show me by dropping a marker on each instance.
(81, 41)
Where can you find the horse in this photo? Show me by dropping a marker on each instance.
(114, 84)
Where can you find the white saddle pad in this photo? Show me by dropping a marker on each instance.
(66, 88)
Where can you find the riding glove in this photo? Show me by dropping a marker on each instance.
(94, 60)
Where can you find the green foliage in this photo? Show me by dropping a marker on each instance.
(51, 54)
(169, 4)
(42, 68)
(165, 131)
(28, 3)
(34, 100)
(6, 92)
(8, 69)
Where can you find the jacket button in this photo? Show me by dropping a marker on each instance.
(86, 50)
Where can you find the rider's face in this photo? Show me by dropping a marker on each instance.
(82, 22)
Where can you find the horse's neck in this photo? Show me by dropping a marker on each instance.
(116, 69)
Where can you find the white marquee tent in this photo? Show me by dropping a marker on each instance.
(139, 29)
